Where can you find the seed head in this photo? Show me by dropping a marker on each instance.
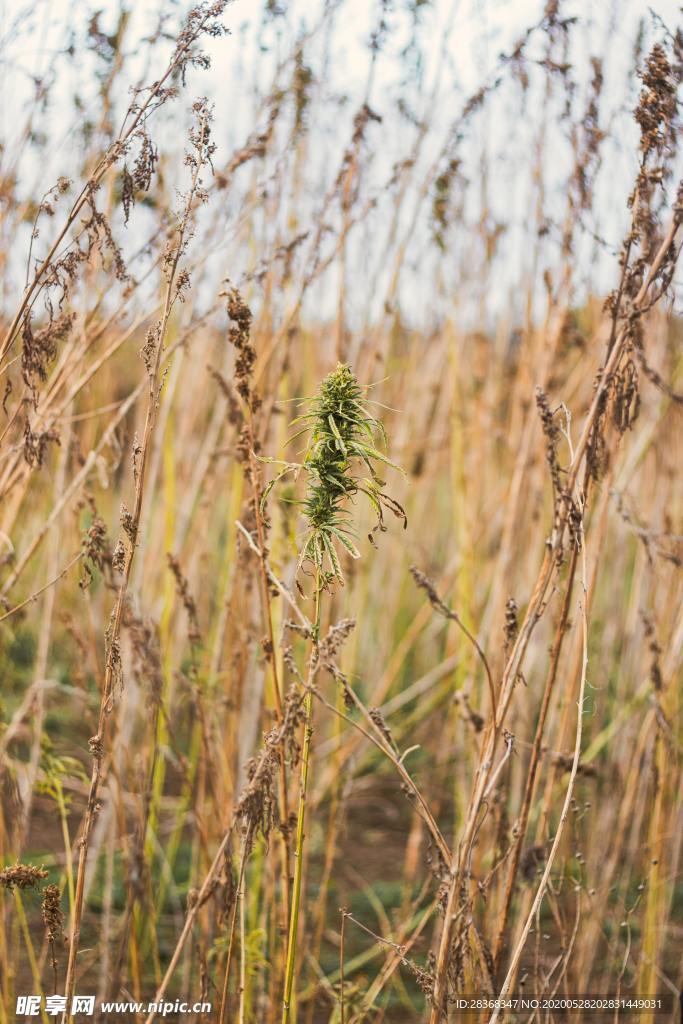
(23, 876)
(342, 445)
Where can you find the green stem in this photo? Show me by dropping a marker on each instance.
(35, 970)
(298, 854)
(68, 861)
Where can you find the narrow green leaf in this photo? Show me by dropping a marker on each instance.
(343, 539)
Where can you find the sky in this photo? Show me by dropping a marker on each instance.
(459, 46)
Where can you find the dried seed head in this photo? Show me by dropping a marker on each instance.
(333, 641)
(51, 909)
(511, 625)
(35, 445)
(21, 876)
(657, 106)
(146, 656)
(183, 591)
(40, 348)
(552, 434)
(379, 720)
(95, 551)
(240, 336)
(258, 803)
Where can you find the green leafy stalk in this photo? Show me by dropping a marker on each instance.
(340, 463)
(341, 448)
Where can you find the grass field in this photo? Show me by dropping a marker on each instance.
(340, 510)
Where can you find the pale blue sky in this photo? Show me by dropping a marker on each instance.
(460, 40)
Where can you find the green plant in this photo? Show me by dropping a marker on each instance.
(342, 436)
(341, 443)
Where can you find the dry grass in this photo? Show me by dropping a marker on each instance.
(242, 768)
